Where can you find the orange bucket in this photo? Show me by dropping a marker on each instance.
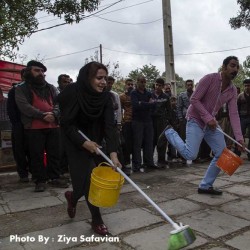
(229, 161)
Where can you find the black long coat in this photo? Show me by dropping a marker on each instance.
(81, 161)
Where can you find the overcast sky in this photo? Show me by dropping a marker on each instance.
(198, 27)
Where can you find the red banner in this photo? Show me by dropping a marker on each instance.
(9, 74)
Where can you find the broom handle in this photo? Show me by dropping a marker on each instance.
(175, 225)
(232, 139)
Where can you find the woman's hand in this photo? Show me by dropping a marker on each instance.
(114, 159)
(91, 146)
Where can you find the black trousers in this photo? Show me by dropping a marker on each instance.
(127, 141)
(40, 141)
(143, 134)
(20, 150)
(159, 124)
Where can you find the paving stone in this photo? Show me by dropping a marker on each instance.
(218, 248)
(240, 208)
(21, 194)
(105, 246)
(188, 177)
(218, 183)
(5, 244)
(6, 209)
(241, 242)
(236, 178)
(33, 203)
(213, 223)
(76, 230)
(178, 206)
(156, 238)
(212, 199)
(130, 219)
(1, 210)
(239, 190)
(129, 188)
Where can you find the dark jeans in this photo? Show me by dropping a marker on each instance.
(64, 165)
(245, 127)
(20, 150)
(159, 124)
(127, 141)
(142, 136)
(40, 141)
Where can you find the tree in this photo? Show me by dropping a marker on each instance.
(148, 71)
(180, 83)
(243, 18)
(18, 19)
(113, 67)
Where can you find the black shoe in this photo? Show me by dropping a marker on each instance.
(40, 187)
(162, 140)
(152, 167)
(59, 183)
(210, 190)
(24, 179)
(162, 164)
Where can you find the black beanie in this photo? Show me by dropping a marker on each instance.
(37, 64)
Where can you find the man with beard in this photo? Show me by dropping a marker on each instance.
(35, 99)
(211, 93)
(127, 135)
(161, 116)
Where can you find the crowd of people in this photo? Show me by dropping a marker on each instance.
(129, 127)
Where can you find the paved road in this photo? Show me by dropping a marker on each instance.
(30, 220)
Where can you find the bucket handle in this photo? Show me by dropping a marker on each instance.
(102, 163)
(108, 164)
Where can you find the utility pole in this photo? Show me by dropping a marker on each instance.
(100, 53)
(168, 44)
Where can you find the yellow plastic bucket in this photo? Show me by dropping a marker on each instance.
(105, 186)
(229, 161)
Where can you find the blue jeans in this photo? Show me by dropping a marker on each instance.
(190, 149)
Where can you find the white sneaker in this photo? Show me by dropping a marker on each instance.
(142, 170)
(189, 163)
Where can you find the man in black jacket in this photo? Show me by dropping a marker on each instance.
(19, 144)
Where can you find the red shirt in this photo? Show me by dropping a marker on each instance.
(44, 106)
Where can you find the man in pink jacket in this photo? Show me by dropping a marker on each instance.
(211, 93)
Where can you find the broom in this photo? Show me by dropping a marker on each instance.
(182, 235)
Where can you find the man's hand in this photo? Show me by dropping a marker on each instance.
(242, 149)
(212, 124)
(49, 117)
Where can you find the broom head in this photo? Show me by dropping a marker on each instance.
(181, 237)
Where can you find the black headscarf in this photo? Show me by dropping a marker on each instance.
(91, 102)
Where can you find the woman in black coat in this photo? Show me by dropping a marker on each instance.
(85, 106)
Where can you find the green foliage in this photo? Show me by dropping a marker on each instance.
(150, 72)
(18, 19)
(113, 67)
(243, 18)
